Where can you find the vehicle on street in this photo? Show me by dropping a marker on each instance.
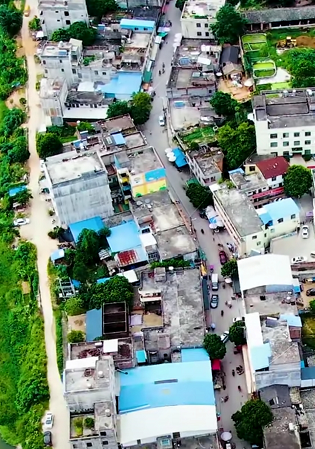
(49, 420)
(21, 221)
(47, 438)
(225, 336)
(298, 259)
(305, 232)
(214, 302)
(223, 257)
(310, 292)
(215, 281)
(161, 120)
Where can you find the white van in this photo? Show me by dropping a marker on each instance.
(215, 281)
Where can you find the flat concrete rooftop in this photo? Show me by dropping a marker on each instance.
(182, 305)
(208, 160)
(83, 379)
(253, 181)
(282, 349)
(103, 419)
(72, 166)
(175, 242)
(135, 140)
(140, 161)
(274, 303)
(277, 435)
(190, 77)
(117, 124)
(294, 245)
(138, 40)
(240, 211)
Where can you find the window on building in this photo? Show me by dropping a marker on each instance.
(44, 62)
(258, 243)
(254, 237)
(103, 434)
(198, 25)
(199, 33)
(296, 143)
(296, 134)
(274, 153)
(308, 152)
(307, 142)
(96, 72)
(89, 444)
(273, 178)
(136, 29)
(62, 70)
(74, 71)
(307, 133)
(138, 441)
(207, 34)
(280, 220)
(68, 22)
(273, 136)
(46, 71)
(274, 144)
(66, 13)
(176, 435)
(105, 443)
(252, 168)
(206, 25)
(265, 235)
(58, 20)
(74, 446)
(286, 154)
(285, 144)
(285, 135)
(293, 216)
(60, 60)
(104, 73)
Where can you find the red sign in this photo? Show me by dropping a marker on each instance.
(267, 193)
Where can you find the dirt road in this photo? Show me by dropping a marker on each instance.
(36, 232)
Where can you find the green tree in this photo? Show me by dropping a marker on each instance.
(75, 337)
(48, 145)
(116, 289)
(118, 108)
(251, 419)
(237, 333)
(86, 126)
(103, 234)
(34, 24)
(214, 346)
(74, 306)
(141, 106)
(99, 8)
(19, 152)
(224, 104)
(229, 269)
(199, 195)
(23, 197)
(237, 143)
(10, 19)
(229, 25)
(11, 121)
(180, 4)
(297, 181)
(61, 35)
(80, 271)
(88, 245)
(77, 30)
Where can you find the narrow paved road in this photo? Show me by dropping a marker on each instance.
(159, 138)
(36, 232)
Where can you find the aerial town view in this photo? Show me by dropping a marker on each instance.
(157, 225)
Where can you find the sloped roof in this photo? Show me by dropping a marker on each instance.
(273, 167)
(229, 54)
(279, 14)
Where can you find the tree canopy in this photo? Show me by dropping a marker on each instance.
(75, 336)
(199, 195)
(10, 19)
(180, 4)
(214, 346)
(12, 71)
(48, 145)
(88, 245)
(224, 104)
(237, 143)
(229, 269)
(250, 420)
(77, 30)
(74, 306)
(139, 108)
(229, 25)
(300, 62)
(99, 8)
(237, 333)
(297, 181)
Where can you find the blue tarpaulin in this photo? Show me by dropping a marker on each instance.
(93, 323)
(15, 190)
(180, 158)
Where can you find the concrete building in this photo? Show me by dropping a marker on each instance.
(193, 71)
(78, 185)
(197, 18)
(250, 229)
(285, 122)
(55, 14)
(272, 169)
(272, 356)
(206, 164)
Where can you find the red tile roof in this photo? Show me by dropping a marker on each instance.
(273, 167)
(127, 258)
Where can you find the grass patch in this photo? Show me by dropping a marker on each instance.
(277, 86)
(199, 135)
(264, 73)
(254, 38)
(308, 330)
(68, 139)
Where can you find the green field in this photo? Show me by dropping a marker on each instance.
(263, 66)
(199, 135)
(254, 38)
(262, 69)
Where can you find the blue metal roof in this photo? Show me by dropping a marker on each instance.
(76, 284)
(93, 224)
(282, 209)
(168, 384)
(155, 175)
(122, 85)
(102, 280)
(124, 237)
(119, 139)
(197, 355)
(308, 373)
(58, 254)
(93, 322)
(141, 356)
(137, 23)
(291, 319)
(260, 356)
(15, 190)
(180, 158)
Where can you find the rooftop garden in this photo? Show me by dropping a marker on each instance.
(198, 135)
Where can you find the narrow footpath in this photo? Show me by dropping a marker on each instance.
(36, 232)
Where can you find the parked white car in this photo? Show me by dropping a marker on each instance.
(225, 337)
(298, 259)
(305, 232)
(21, 221)
(161, 120)
(49, 420)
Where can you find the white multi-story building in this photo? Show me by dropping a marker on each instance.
(78, 185)
(251, 229)
(285, 122)
(197, 18)
(55, 14)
